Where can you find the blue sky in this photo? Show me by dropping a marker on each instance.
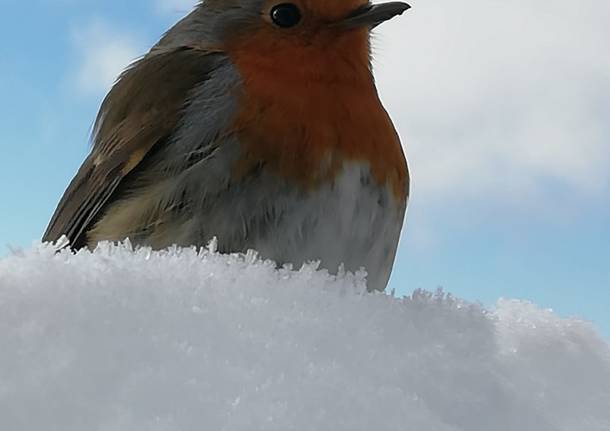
(503, 109)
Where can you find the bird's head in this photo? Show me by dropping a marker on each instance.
(289, 33)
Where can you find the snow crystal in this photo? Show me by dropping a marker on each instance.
(194, 340)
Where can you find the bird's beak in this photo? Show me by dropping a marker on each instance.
(371, 15)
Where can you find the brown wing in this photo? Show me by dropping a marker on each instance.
(141, 111)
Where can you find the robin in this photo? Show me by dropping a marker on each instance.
(257, 122)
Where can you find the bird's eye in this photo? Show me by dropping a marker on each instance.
(285, 15)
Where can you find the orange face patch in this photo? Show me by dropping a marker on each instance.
(309, 104)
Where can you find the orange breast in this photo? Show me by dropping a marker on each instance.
(305, 109)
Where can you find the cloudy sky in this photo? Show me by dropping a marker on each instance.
(503, 109)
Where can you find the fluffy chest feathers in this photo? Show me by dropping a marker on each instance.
(351, 221)
(305, 116)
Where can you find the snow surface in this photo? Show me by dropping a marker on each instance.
(186, 340)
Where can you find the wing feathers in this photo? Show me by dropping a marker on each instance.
(141, 111)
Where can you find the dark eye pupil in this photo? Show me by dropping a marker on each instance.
(286, 15)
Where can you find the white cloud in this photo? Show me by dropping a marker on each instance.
(500, 99)
(103, 53)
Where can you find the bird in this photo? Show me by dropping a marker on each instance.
(257, 123)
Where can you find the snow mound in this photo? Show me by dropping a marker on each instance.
(185, 340)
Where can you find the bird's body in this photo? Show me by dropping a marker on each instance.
(278, 144)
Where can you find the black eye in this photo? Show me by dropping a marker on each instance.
(285, 15)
